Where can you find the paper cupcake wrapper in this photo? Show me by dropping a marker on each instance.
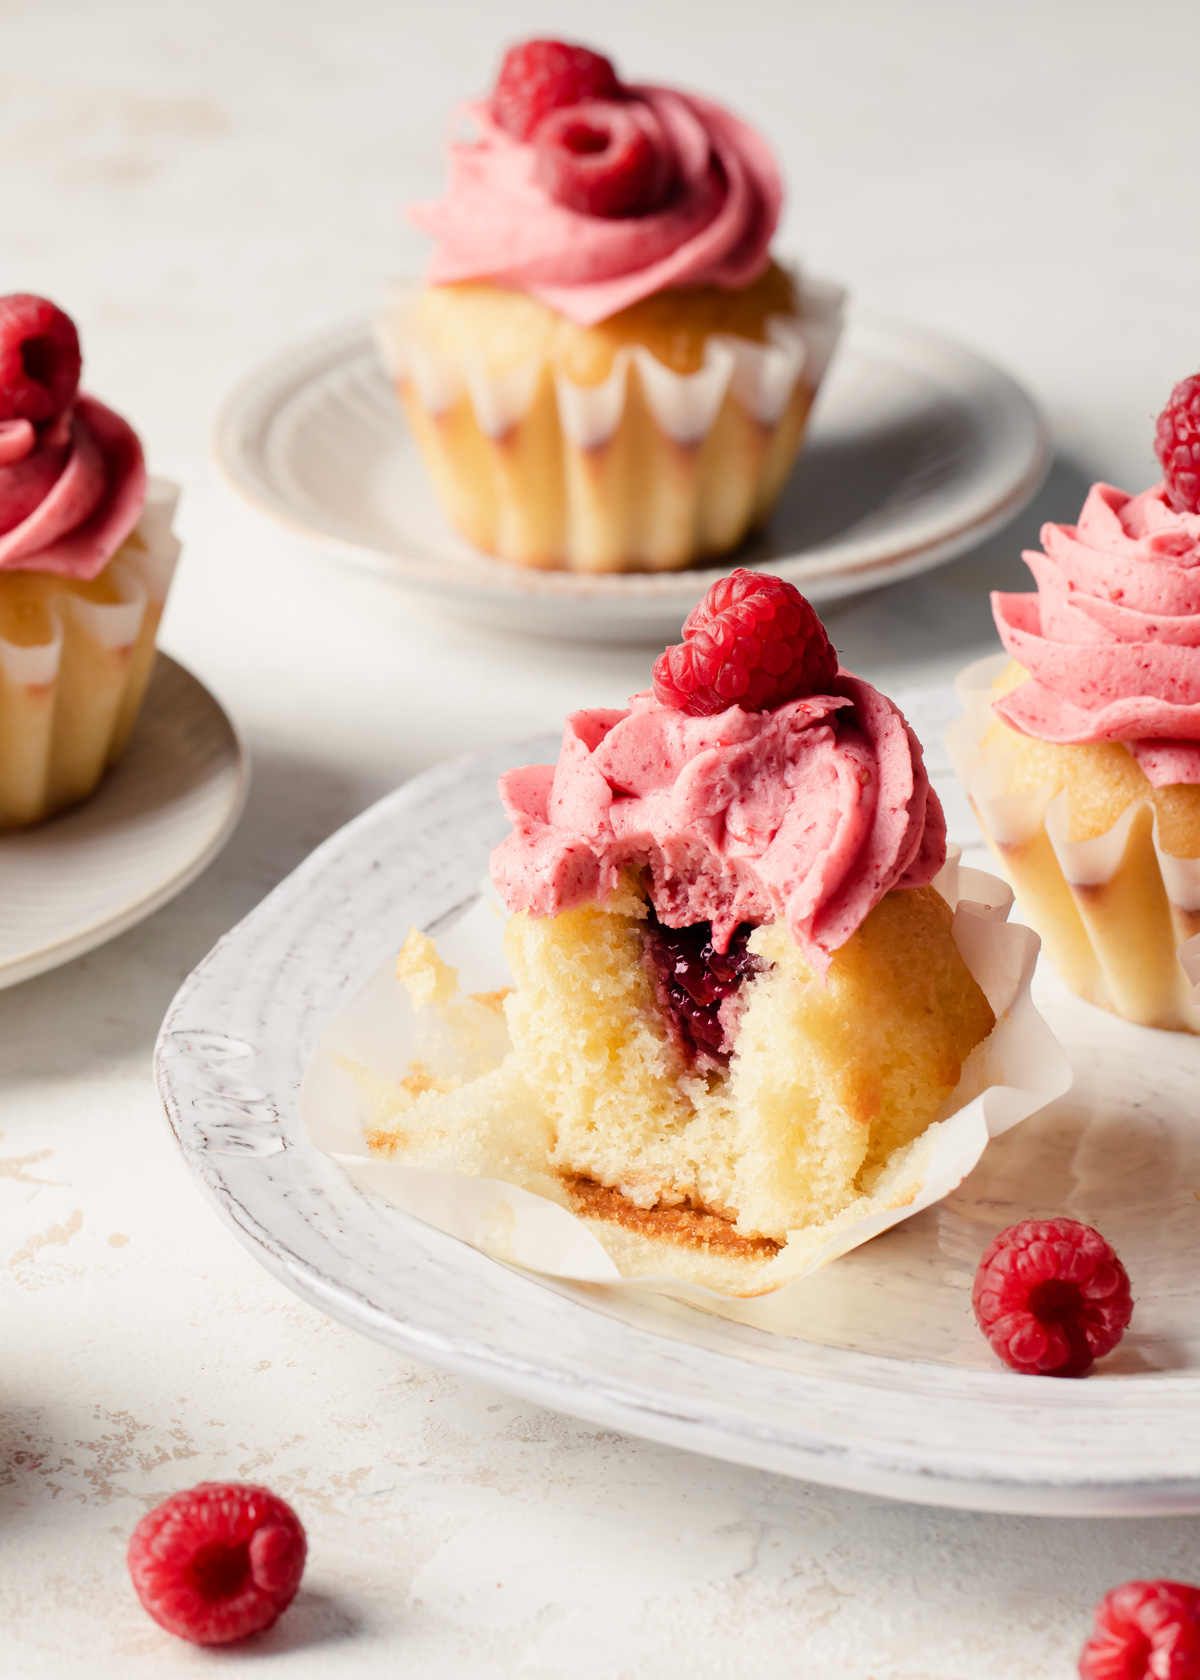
(1119, 916)
(1018, 1069)
(648, 470)
(68, 703)
(685, 405)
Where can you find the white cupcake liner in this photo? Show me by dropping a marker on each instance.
(1012, 819)
(762, 377)
(142, 576)
(1018, 1069)
(68, 703)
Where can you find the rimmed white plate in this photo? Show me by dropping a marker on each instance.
(886, 1386)
(152, 826)
(919, 449)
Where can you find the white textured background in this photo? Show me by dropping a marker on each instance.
(198, 182)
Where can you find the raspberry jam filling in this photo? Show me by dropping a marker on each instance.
(693, 981)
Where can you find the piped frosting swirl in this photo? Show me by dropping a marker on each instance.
(1111, 638)
(497, 224)
(70, 493)
(810, 813)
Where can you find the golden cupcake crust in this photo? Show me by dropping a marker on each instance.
(1102, 779)
(508, 328)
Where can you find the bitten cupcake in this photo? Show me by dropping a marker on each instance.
(740, 1003)
(86, 558)
(1081, 750)
(606, 371)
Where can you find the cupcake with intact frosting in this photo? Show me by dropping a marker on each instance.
(740, 1001)
(606, 370)
(86, 557)
(1081, 748)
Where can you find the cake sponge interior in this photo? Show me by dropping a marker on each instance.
(830, 1086)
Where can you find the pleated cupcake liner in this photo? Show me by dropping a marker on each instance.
(1117, 913)
(647, 470)
(69, 702)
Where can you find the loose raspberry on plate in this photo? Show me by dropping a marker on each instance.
(754, 641)
(1145, 1630)
(1177, 445)
(1051, 1297)
(39, 359)
(219, 1562)
(536, 77)
(599, 157)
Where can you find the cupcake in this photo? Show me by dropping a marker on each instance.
(606, 370)
(1081, 749)
(86, 557)
(739, 1004)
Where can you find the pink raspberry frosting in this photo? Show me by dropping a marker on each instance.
(1111, 639)
(811, 812)
(497, 224)
(70, 496)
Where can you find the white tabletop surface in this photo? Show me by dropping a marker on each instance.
(198, 181)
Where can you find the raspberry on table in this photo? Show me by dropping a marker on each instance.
(537, 77)
(39, 359)
(1051, 1297)
(598, 157)
(753, 642)
(1145, 1630)
(219, 1562)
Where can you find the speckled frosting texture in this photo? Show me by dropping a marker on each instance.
(496, 223)
(1111, 639)
(811, 812)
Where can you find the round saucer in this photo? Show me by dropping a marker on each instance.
(918, 449)
(163, 814)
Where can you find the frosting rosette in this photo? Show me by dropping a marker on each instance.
(1111, 639)
(811, 813)
(70, 495)
(500, 223)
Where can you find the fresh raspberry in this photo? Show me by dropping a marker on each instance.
(1177, 445)
(1051, 1296)
(536, 77)
(754, 641)
(39, 359)
(218, 1562)
(600, 157)
(1145, 1630)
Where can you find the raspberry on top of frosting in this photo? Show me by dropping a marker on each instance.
(701, 211)
(1177, 445)
(753, 639)
(1111, 639)
(810, 811)
(72, 474)
(537, 77)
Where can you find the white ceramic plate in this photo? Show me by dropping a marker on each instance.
(165, 812)
(888, 1388)
(918, 449)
